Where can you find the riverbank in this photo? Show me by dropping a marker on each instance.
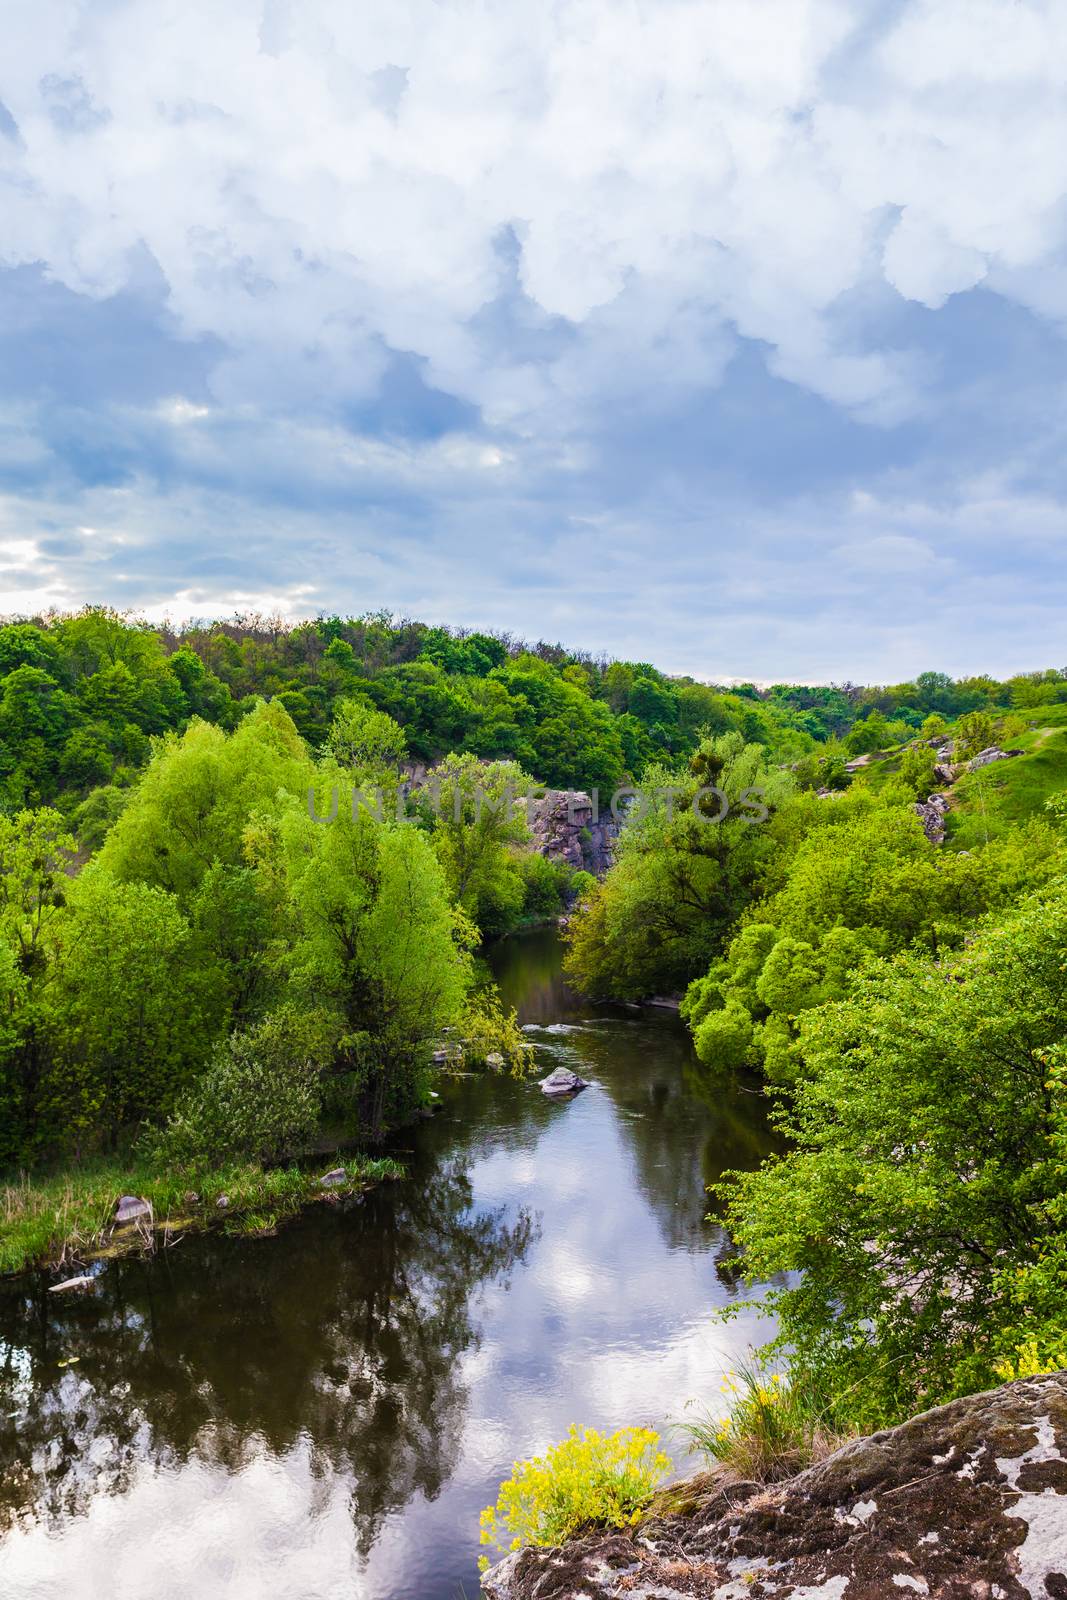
(68, 1219)
(967, 1499)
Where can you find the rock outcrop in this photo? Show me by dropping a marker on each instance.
(985, 757)
(969, 1500)
(931, 813)
(564, 829)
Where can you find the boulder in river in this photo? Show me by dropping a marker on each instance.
(80, 1284)
(132, 1208)
(967, 1500)
(561, 1083)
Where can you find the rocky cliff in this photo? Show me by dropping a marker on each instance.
(564, 828)
(967, 1500)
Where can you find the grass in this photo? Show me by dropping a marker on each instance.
(66, 1219)
(987, 803)
(773, 1428)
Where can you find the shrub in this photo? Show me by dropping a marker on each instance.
(259, 1097)
(487, 1030)
(772, 1430)
(590, 1478)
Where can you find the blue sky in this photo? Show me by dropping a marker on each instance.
(724, 333)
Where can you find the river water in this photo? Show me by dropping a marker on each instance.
(322, 1415)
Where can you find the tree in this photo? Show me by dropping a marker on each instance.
(680, 876)
(373, 935)
(477, 831)
(35, 853)
(974, 732)
(197, 796)
(925, 1181)
(136, 1009)
(366, 740)
(259, 1098)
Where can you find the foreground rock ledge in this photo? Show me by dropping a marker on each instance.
(968, 1500)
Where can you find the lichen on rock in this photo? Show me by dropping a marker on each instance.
(966, 1500)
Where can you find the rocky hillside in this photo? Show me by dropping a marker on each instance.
(967, 1500)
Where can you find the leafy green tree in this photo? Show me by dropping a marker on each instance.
(478, 829)
(373, 935)
(974, 732)
(135, 1010)
(366, 740)
(259, 1099)
(680, 877)
(926, 1174)
(197, 796)
(917, 770)
(35, 854)
(869, 735)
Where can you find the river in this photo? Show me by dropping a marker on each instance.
(321, 1415)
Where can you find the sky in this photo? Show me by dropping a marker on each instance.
(726, 334)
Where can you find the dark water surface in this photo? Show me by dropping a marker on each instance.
(324, 1413)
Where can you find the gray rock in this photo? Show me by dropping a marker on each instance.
(223, 1202)
(947, 771)
(132, 1208)
(966, 1500)
(81, 1283)
(562, 1082)
(985, 758)
(563, 827)
(495, 1060)
(332, 1180)
(931, 813)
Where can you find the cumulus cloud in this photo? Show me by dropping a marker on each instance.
(317, 182)
(716, 303)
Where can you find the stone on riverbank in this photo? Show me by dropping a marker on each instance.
(132, 1208)
(967, 1500)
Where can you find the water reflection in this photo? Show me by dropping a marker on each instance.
(347, 1329)
(325, 1412)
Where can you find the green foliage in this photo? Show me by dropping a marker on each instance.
(477, 831)
(259, 1099)
(974, 732)
(922, 1199)
(590, 1479)
(197, 794)
(680, 877)
(135, 1009)
(488, 1031)
(368, 741)
(854, 879)
(372, 933)
(917, 770)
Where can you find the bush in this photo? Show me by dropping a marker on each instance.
(259, 1097)
(590, 1478)
(488, 1030)
(773, 1429)
(545, 885)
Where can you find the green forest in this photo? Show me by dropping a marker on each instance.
(201, 979)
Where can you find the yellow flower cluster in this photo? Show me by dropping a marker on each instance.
(589, 1478)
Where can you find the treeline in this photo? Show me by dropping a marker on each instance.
(904, 1004)
(82, 697)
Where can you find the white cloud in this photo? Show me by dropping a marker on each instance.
(315, 179)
